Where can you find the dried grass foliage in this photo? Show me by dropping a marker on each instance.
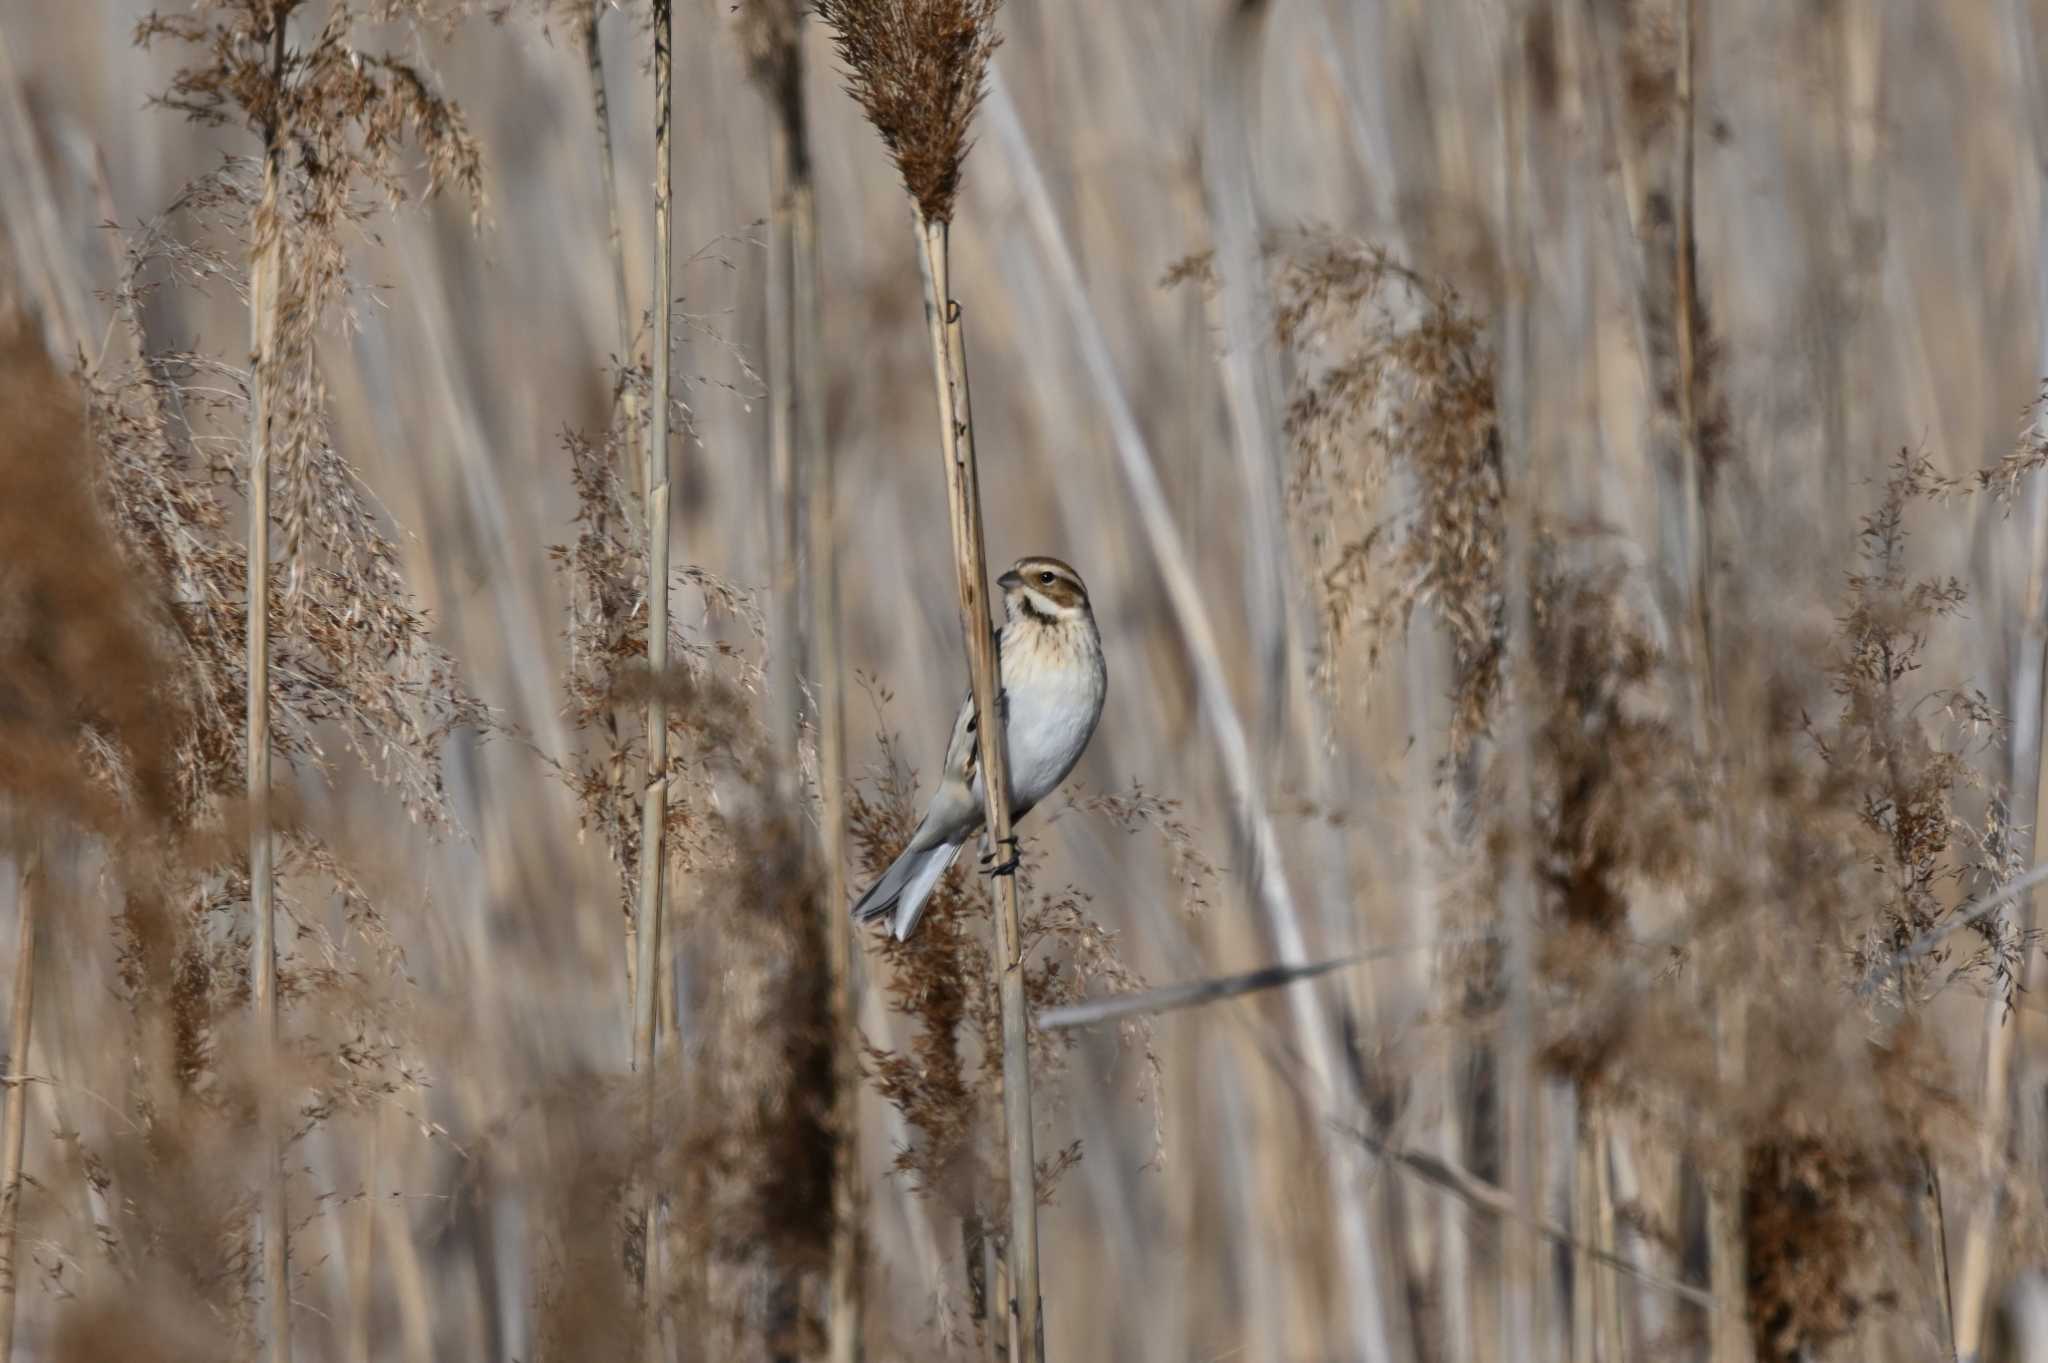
(1837, 813)
(1396, 487)
(946, 1079)
(81, 657)
(127, 504)
(746, 1140)
(1836, 808)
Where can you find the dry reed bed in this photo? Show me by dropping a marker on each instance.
(1770, 717)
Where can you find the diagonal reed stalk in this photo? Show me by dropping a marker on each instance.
(16, 1120)
(654, 807)
(1280, 917)
(268, 246)
(963, 500)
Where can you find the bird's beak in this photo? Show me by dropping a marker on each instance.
(1010, 580)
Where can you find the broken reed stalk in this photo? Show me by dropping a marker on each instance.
(654, 806)
(963, 500)
(16, 1121)
(844, 1300)
(268, 248)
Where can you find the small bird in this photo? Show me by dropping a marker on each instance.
(1052, 682)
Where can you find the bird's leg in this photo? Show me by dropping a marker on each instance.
(1008, 865)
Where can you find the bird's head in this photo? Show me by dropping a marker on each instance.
(1044, 588)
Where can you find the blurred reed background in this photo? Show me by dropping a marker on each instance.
(1526, 383)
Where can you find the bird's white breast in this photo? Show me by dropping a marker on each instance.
(1055, 696)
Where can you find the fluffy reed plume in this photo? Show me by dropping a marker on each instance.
(919, 71)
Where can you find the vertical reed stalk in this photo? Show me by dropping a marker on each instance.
(1521, 1172)
(2030, 660)
(1585, 1322)
(362, 1268)
(654, 808)
(1606, 1287)
(2000, 1030)
(628, 393)
(844, 1298)
(268, 244)
(1250, 376)
(784, 150)
(963, 498)
(16, 1121)
(628, 358)
(1727, 1259)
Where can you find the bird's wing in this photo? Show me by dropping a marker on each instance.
(956, 806)
(963, 750)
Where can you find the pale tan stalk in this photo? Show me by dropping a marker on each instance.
(1520, 1264)
(1727, 1256)
(1585, 1226)
(1606, 1287)
(628, 356)
(2001, 1032)
(30, 215)
(362, 1268)
(1280, 916)
(844, 1295)
(1250, 377)
(16, 1121)
(783, 700)
(615, 247)
(963, 499)
(268, 242)
(654, 808)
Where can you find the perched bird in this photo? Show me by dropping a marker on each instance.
(1051, 683)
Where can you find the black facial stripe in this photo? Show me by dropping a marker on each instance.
(1031, 609)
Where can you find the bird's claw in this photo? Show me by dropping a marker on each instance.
(1006, 867)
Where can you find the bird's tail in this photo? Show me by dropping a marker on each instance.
(906, 885)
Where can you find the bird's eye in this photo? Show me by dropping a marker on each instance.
(1046, 578)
